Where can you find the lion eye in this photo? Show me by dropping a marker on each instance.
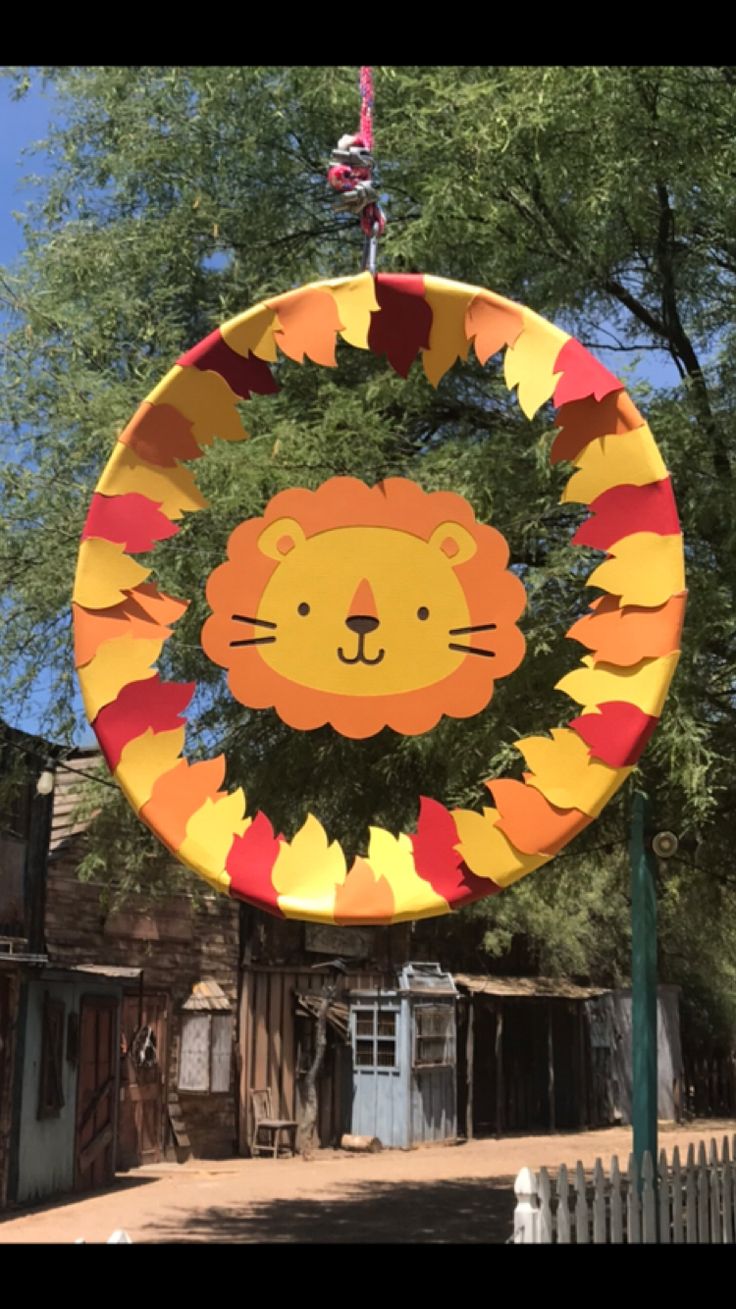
(303, 609)
(423, 613)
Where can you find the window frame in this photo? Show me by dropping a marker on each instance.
(214, 1055)
(379, 1040)
(449, 1036)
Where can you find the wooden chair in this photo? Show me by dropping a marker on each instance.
(263, 1121)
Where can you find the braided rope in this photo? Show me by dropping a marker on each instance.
(354, 179)
(366, 107)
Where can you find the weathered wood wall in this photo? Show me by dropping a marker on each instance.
(276, 1047)
(9, 998)
(176, 945)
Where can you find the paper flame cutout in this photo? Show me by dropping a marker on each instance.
(121, 620)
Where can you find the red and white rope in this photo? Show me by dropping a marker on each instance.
(347, 178)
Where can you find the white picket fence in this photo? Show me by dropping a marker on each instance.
(690, 1205)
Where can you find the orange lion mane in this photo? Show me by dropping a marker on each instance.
(395, 503)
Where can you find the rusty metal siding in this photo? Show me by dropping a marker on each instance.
(47, 1147)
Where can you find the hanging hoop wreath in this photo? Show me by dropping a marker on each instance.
(382, 557)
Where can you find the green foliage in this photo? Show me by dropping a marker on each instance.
(602, 197)
(114, 855)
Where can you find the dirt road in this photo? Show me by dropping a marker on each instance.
(440, 1193)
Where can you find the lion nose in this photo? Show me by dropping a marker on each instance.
(362, 614)
(361, 624)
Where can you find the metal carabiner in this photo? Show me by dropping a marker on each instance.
(357, 199)
(356, 157)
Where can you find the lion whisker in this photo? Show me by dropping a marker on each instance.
(257, 622)
(479, 627)
(471, 649)
(255, 640)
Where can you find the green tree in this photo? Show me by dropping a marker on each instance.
(601, 196)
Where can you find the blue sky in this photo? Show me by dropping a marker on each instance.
(22, 123)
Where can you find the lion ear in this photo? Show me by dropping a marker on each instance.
(453, 541)
(279, 538)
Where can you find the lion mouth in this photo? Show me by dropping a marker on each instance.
(361, 657)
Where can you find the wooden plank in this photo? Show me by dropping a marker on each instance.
(664, 1200)
(716, 1229)
(585, 1115)
(526, 1213)
(102, 1165)
(563, 1207)
(179, 1132)
(288, 1074)
(633, 1204)
(161, 1023)
(550, 1067)
(703, 1198)
(260, 1052)
(98, 1060)
(691, 1201)
(728, 1198)
(677, 1205)
(648, 1202)
(245, 1034)
(361, 1144)
(731, 1168)
(469, 1066)
(498, 1051)
(91, 1106)
(545, 1208)
(335, 1100)
(275, 1040)
(97, 1145)
(599, 1204)
(582, 1236)
(617, 1217)
(734, 1183)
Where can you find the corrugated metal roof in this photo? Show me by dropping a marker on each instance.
(207, 995)
(426, 979)
(552, 987)
(67, 794)
(108, 970)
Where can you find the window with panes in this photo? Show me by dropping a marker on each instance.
(374, 1037)
(434, 1035)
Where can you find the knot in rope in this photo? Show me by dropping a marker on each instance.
(351, 167)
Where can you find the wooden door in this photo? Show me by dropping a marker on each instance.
(379, 1088)
(143, 1080)
(96, 1093)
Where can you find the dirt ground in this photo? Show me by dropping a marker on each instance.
(447, 1193)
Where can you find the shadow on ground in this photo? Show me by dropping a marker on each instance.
(121, 1183)
(469, 1210)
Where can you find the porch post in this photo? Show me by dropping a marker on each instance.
(643, 984)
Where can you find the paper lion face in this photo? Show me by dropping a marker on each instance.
(365, 608)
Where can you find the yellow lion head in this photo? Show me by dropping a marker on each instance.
(364, 608)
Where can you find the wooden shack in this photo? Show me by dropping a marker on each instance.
(403, 1048)
(67, 1090)
(25, 818)
(541, 1055)
(173, 945)
(282, 981)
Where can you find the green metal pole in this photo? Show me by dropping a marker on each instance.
(643, 984)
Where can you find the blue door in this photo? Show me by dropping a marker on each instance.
(379, 1092)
